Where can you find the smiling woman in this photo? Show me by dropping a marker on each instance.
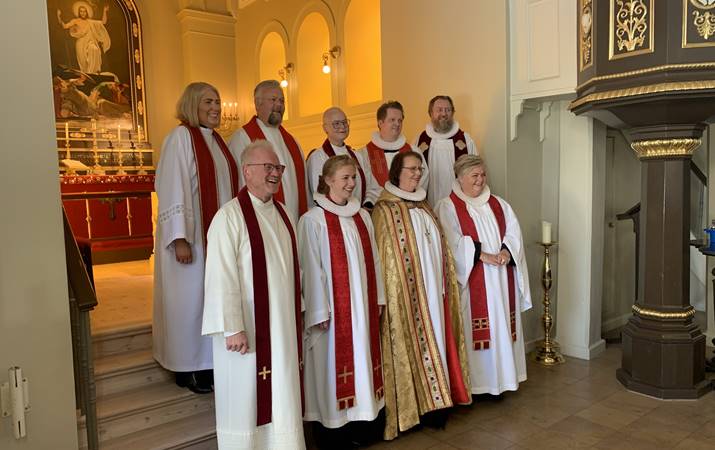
(196, 174)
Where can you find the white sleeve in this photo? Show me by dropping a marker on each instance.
(376, 258)
(462, 246)
(314, 274)
(314, 167)
(223, 293)
(471, 146)
(237, 144)
(173, 183)
(515, 243)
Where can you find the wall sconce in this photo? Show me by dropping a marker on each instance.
(283, 73)
(332, 53)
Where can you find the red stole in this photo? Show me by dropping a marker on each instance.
(206, 174)
(477, 285)
(344, 354)
(378, 163)
(328, 149)
(425, 140)
(254, 132)
(262, 314)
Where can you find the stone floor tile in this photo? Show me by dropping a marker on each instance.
(583, 431)
(609, 417)
(479, 439)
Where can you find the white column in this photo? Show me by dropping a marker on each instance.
(580, 235)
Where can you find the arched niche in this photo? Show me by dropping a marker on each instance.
(314, 86)
(363, 62)
(272, 59)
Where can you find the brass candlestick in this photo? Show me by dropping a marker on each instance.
(97, 168)
(547, 351)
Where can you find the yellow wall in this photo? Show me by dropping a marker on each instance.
(286, 17)
(459, 49)
(34, 311)
(363, 63)
(314, 86)
(271, 59)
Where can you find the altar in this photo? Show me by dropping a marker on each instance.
(111, 214)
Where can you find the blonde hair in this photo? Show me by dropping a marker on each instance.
(467, 162)
(187, 108)
(329, 168)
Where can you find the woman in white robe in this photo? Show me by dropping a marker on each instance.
(334, 196)
(180, 231)
(502, 365)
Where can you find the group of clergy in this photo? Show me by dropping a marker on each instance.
(365, 291)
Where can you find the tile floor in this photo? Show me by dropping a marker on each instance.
(575, 405)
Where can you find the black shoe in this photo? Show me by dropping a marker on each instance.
(193, 381)
(435, 419)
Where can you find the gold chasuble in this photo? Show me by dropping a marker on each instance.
(418, 378)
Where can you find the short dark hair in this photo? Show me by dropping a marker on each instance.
(396, 165)
(382, 110)
(439, 97)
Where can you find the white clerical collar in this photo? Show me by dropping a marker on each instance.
(479, 200)
(339, 147)
(347, 210)
(416, 196)
(448, 135)
(257, 202)
(383, 144)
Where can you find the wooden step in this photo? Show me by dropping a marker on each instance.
(126, 371)
(121, 340)
(150, 406)
(196, 432)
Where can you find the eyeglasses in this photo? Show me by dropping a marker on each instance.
(269, 168)
(280, 100)
(337, 124)
(415, 169)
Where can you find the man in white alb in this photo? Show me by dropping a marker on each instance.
(387, 142)
(266, 124)
(252, 309)
(441, 143)
(337, 128)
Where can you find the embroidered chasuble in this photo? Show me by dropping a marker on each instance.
(252, 284)
(254, 133)
(494, 296)
(342, 285)
(424, 355)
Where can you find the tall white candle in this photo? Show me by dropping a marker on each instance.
(119, 135)
(545, 232)
(67, 131)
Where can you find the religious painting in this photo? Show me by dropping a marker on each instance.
(97, 73)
